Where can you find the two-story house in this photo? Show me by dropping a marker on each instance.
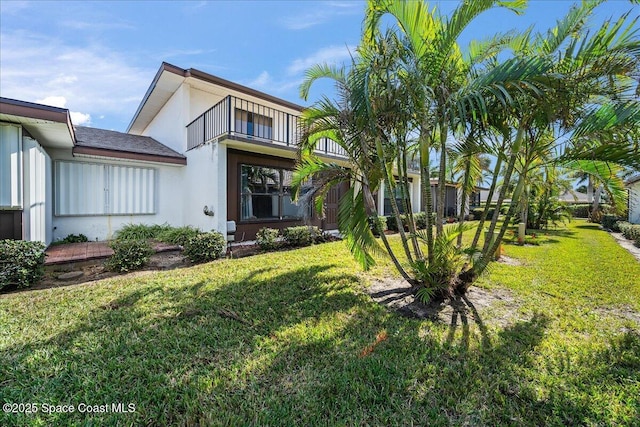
(200, 151)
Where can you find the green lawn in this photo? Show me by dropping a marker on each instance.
(289, 338)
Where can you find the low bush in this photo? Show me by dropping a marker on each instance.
(378, 224)
(266, 238)
(616, 226)
(609, 221)
(178, 235)
(205, 247)
(71, 238)
(21, 263)
(129, 255)
(141, 231)
(630, 231)
(301, 236)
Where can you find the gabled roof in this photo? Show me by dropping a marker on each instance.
(51, 126)
(108, 143)
(170, 77)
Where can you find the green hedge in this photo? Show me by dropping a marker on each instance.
(129, 255)
(630, 231)
(205, 247)
(21, 263)
(301, 236)
(609, 222)
(266, 238)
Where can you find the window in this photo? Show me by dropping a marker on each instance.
(398, 196)
(252, 124)
(265, 193)
(99, 189)
(10, 166)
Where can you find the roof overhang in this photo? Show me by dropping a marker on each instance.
(50, 126)
(127, 155)
(167, 81)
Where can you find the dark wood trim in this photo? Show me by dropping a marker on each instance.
(248, 228)
(101, 152)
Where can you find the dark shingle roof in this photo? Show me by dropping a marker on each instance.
(118, 141)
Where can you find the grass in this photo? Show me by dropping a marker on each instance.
(289, 338)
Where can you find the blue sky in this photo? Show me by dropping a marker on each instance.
(98, 58)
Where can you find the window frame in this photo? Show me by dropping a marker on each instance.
(281, 194)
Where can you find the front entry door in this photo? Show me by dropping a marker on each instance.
(331, 202)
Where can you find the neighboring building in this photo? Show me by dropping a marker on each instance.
(57, 179)
(633, 186)
(576, 197)
(200, 151)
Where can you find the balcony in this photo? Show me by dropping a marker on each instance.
(235, 117)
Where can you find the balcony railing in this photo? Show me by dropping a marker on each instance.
(234, 116)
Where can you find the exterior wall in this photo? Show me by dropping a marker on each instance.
(249, 228)
(169, 125)
(205, 184)
(170, 195)
(37, 193)
(634, 203)
(10, 166)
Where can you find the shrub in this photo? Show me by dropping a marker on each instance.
(178, 235)
(266, 238)
(129, 255)
(616, 226)
(300, 236)
(630, 231)
(205, 247)
(21, 263)
(377, 224)
(608, 221)
(420, 219)
(71, 238)
(391, 223)
(141, 231)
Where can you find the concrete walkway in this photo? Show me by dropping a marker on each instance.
(627, 244)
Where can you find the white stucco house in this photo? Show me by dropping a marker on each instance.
(633, 186)
(200, 151)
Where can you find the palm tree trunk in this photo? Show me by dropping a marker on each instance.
(425, 181)
(394, 204)
(492, 189)
(515, 150)
(464, 197)
(442, 185)
(368, 197)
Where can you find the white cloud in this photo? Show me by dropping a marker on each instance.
(54, 101)
(90, 78)
(322, 12)
(329, 55)
(13, 7)
(77, 118)
(80, 119)
(262, 80)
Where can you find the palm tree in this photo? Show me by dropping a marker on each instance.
(410, 90)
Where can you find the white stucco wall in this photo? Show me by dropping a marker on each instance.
(169, 125)
(170, 195)
(37, 217)
(206, 180)
(634, 203)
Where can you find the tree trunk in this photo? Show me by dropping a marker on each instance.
(442, 184)
(426, 188)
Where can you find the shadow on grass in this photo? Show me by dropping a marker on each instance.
(281, 348)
